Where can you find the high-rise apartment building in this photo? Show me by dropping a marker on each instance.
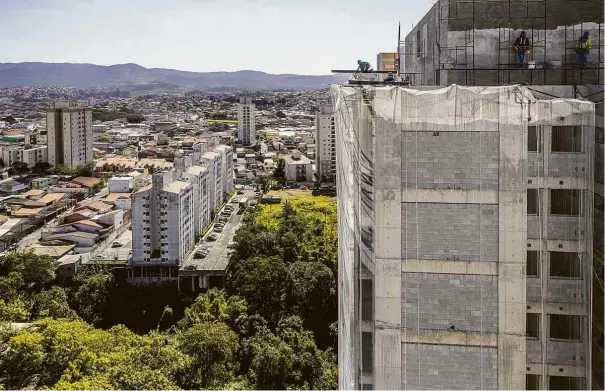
(465, 238)
(246, 125)
(213, 163)
(69, 133)
(199, 177)
(162, 225)
(226, 153)
(325, 144)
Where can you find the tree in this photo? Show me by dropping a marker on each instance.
(41, 168)
(10, 119)
(279, 173)
(91, 296)
(135, 118)
(280, 114)
(52, 303)
(215, 306)
(20, 167)
(213, 348)
(261, 282)
(35, 271)
(85, 169)
(105, 138)
(61, 169)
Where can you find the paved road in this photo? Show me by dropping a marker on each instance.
(105, 251)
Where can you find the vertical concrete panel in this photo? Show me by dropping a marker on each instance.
(512, 242)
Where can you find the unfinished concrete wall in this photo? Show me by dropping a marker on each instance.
(474, 35)
(443, 367)
(439, 301)
(447, 160)
(470, 234)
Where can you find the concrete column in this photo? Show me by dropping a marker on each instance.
(512, 244)
(544, 271)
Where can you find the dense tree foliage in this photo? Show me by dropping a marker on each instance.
(272, 329)
(111, 115)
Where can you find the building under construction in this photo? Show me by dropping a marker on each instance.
(471, 218)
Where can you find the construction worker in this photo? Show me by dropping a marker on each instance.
(583, 48)
(389, 78)
(521, 47)
(363, 66)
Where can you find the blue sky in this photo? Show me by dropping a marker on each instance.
(274, 36)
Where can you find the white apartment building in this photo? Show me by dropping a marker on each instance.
(199, 177)
(298, 168)
(120, 184)
(246, 125)
(227, 166)
(69, 132)
(162, 222)
(213, 162)
(325, 144)
(30, 155)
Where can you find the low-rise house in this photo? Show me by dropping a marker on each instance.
(299, 168)
(43, 182)
(11, 186)
(68, 265)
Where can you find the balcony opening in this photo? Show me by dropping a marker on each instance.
(533, 139)
(367, 298)
(565, 265)
(532, 325)
(566, 383)
(533, 266)
(565, 202)
(367, 352)
(532, 382)
(567, 327)
(533, 202)
(567, 139)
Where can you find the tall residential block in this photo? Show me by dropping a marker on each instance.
(246, 125)
(465, 238)
(200, 179)
(226, 153)
(69, 133)
(213, 162)
(162, 225)
(325, 144)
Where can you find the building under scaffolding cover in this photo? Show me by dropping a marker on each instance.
(465, 238)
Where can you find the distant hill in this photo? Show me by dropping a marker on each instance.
(90, 75)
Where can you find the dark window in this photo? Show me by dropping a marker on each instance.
(532, 382)
(367, 386)
(533, 139)
(533, 264)
(532, 325)
(567, 138)
(565, 202)
(367, 299)
(367, 352)
(533, 203)
(565, 265)
(566, 383)
(565, 327)
(418, 44)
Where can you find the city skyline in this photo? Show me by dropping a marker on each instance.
(270, 36)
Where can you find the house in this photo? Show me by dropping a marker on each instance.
(68, 265)
(11, 186)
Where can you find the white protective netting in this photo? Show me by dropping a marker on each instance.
(432, 188)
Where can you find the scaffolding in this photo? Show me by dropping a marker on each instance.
(456, 49)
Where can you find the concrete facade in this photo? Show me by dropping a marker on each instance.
(325, 144)
(246, 124)
(226, 167)
(212, 161)
(200, 179)
(30, 155)
(433, 238)
(69, 132)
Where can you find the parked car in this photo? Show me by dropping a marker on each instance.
(240, 192)
(191, 267)
(116, 244)
(218, 229)
(234, 200)
(211, 238)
